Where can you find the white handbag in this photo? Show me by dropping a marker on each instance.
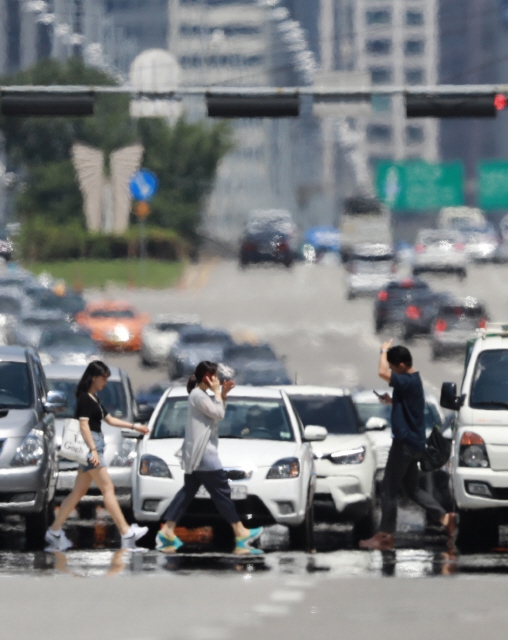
(74, 446)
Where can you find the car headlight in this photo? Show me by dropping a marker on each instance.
(30, 451)
(348, 456)
(126, 454)
(153, 466)
(473, 452)
(285, 468)
(119, 334)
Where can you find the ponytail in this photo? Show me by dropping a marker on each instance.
(191, 383)
(205, 368)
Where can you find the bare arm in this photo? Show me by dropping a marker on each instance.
(383, 368)
(123, 424)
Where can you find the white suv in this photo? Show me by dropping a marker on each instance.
(480, 445)
(345, 461)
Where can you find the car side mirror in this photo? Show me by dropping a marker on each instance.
(130, 433)
(449, 398)
(144, 413)
(56, 402)
(314, 433)
(376, 424)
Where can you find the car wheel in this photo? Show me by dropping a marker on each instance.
(378, 326)
(223, 537)
(128, 514)
(462, 274)
(36, 525)
(477, 531)
(364, 527)
(146, 363)
(416, 272)
(350, 295)
(301, 537)
(86, 510)
(148, 540)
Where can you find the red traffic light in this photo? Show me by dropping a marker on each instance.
(500, 101)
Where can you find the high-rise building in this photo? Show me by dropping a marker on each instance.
(396, 42)
(242, 43)
(31, 31)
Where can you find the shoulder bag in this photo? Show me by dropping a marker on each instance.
(438, 449)
(74, 446)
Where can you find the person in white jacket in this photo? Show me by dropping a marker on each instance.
(201, 462)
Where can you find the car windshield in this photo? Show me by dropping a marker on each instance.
(9, 306)
(67, 304)
(489, 388)
(112, 396)
(43, 322)
(204, 338)
(249, 352)
(438, 239)
(15, 386)
(368, 410)
(117, 314)
(67, 341)
(262, 377)
(246, 419)
(169, 326)
(336, 413)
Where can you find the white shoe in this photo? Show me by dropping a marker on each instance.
(134, 534)
(57, 541)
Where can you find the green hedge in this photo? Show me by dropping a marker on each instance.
(39, 241)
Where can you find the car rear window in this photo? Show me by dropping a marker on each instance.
(246, 419)
(336, 413)
(461, 315)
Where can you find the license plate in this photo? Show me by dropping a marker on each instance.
(238, 492)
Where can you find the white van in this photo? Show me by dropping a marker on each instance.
(479, 462)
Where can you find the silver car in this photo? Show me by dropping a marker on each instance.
(28, 468)
(440, 251)
(159, 336)
(120, 452)
(370, 268)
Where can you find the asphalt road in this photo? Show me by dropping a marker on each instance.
(338, 591)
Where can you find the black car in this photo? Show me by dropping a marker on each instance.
(392, 301)
(266, 246)
(421, 312)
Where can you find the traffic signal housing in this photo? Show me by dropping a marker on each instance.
(440, 105)
(23, 103)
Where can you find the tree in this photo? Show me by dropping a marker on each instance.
(185, 156)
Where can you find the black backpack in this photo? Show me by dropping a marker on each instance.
(437, 452)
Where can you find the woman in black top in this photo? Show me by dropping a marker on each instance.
(90, 413)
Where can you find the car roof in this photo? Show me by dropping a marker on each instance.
(468, 302)
(240, 392)
(196, 329)
(313, 390)
(75, 371)
(13, 354)
(407, 283)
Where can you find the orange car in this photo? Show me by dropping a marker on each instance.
(115, 325)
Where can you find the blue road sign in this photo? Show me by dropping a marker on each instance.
(143, 185)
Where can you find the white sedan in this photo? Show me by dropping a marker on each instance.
(345, 461)
(263, 448)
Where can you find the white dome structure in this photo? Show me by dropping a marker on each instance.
(155, 70)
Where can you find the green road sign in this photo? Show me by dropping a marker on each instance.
(493, 184)
(415, 185)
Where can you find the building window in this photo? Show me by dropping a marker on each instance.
(379, 47)
(414, 18)
(414, 47)
(381, 103)
(378, 16)
(380, 75)
(379, 133)
(414, 76)
(414, 135)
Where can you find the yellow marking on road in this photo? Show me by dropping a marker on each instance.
(196, 276)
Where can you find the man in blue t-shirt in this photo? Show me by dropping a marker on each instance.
(408, 430)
